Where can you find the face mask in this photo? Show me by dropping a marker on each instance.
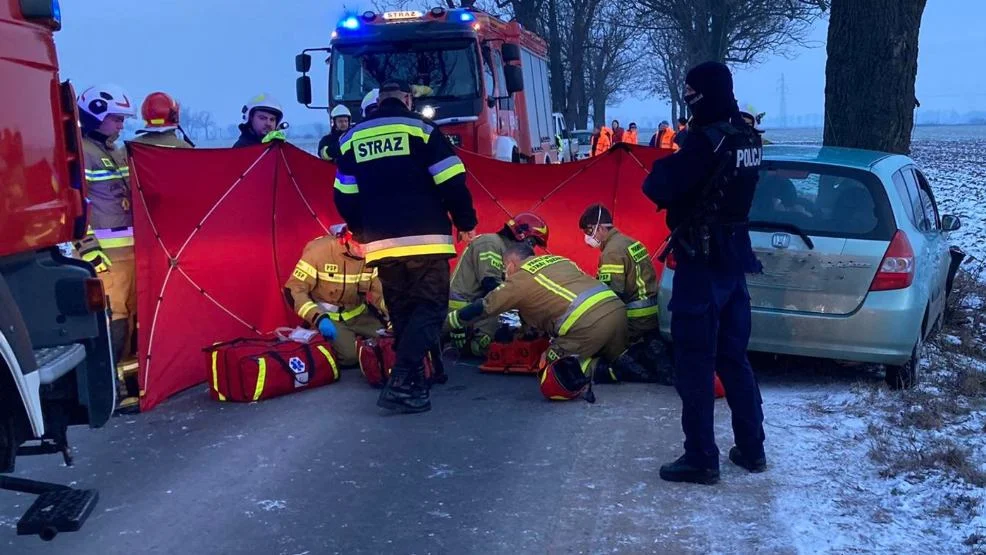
(592, 241)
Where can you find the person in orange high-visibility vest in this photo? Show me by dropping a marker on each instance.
(630, 137)
(604, 140)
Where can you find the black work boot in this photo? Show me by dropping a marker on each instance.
(604, 373)
(683, 471)
(628, 369)
(405, 392)
(752, 464)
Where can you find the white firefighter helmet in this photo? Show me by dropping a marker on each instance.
(105, 100)
(369, 100)
(340, 111)
(265, 102)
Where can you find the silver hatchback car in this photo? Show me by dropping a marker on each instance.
(855, 258)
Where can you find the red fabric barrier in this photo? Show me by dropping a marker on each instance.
(218, 231)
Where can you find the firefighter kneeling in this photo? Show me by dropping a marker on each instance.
(332, 289)
(586, 320)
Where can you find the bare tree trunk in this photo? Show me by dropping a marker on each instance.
(599, 109)
(870, 72)
(556, 68)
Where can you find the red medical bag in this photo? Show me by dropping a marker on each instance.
(377, 359)
(520, 356)
(251, 369)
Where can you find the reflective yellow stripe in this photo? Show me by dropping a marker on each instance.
(346, 189)
(641, 286)
(453, 320)
(332, 361)
(611, 269)
(414, 250)
(368, 276)
(343, 316)
(324, 153)
(306, 309)
(383, 130)
(456, 305)
(337, 278)
(305, 268)
(124, 171)
(643, 312)
(261, 378)
(453, 171)
(116, 243)
(156, 121)
(215, 375)
(582, 309)
(555, 288)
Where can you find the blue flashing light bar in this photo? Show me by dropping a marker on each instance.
(351, 23)
(466, 17)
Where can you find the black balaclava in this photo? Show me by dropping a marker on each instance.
(713, 99)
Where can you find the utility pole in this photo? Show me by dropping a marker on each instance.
(782, 87)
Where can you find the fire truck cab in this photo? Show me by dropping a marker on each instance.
(483, 80)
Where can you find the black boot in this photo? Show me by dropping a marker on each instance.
(628, 369)
(683, 471)
(655, 357)
(604, 373)
(405, 392)
(753, 464)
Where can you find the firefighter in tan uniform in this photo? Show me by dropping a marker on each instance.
(161, 122)
(332, 289)
(480, 270)
(626, 267)
(587, 322)
(109, 245)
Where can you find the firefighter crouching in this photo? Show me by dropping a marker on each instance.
(480, 271)
(109, 245)
(161, 122)
(332, 289)
(586, 320)
(626, 267)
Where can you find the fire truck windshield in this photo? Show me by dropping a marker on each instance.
(442, 70)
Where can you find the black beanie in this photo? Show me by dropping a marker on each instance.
(715, 83)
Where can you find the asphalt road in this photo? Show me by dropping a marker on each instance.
(493, 468)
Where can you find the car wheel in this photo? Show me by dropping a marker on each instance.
(905, 376)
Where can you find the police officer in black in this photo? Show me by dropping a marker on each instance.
(707, 188)
(397, 184)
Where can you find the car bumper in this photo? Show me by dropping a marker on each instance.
(882, 331)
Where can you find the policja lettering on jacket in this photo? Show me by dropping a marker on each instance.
(710, 303)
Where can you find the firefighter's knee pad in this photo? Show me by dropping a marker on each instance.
(564, 378)
(479, 343)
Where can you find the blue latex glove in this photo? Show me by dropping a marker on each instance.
(327, 328)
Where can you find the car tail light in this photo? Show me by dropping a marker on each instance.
(95, 295)
(897, 267)
(670, 262)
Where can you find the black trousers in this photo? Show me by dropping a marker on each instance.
(416, 291)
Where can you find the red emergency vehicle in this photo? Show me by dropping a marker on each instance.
(483, 80)
(56, 366)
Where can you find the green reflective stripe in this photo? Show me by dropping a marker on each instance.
(555, 288)
(492, 258)
(643, 312)
(611, 269)
(456, 305)
(124, 171)
(453, 320)
(383, 130)
(641, 286)
(116, 243)
(348, 315)
(346, 189)
(583, 308)
(96, 177)
(450, 173)
(324, 153)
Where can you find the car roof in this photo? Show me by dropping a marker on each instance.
(835, 156)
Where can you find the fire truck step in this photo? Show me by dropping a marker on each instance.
(57, 511)
(55, 362)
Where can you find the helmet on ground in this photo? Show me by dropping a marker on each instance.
(264, 102)
(159, 110)
(106, 100)
(564, 379)
(340, 111)
(528, 225)
(369, 101)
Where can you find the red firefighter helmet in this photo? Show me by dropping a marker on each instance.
(528, 225)
(564, 379)
(160, 110)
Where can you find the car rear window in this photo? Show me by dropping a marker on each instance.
(826, 201)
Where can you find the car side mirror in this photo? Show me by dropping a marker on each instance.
(950, 223)
(303, 63)
(303, 89)
(515, 79)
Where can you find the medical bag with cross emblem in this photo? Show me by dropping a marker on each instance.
(250, 369)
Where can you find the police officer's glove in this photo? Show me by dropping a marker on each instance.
(276, 135)
(327, 328)
(100, 262)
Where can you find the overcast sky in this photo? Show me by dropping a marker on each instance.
(214, 54)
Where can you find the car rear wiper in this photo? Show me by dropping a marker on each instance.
(790, 228)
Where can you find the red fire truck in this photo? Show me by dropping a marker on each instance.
(56, 366)
(483, 80)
